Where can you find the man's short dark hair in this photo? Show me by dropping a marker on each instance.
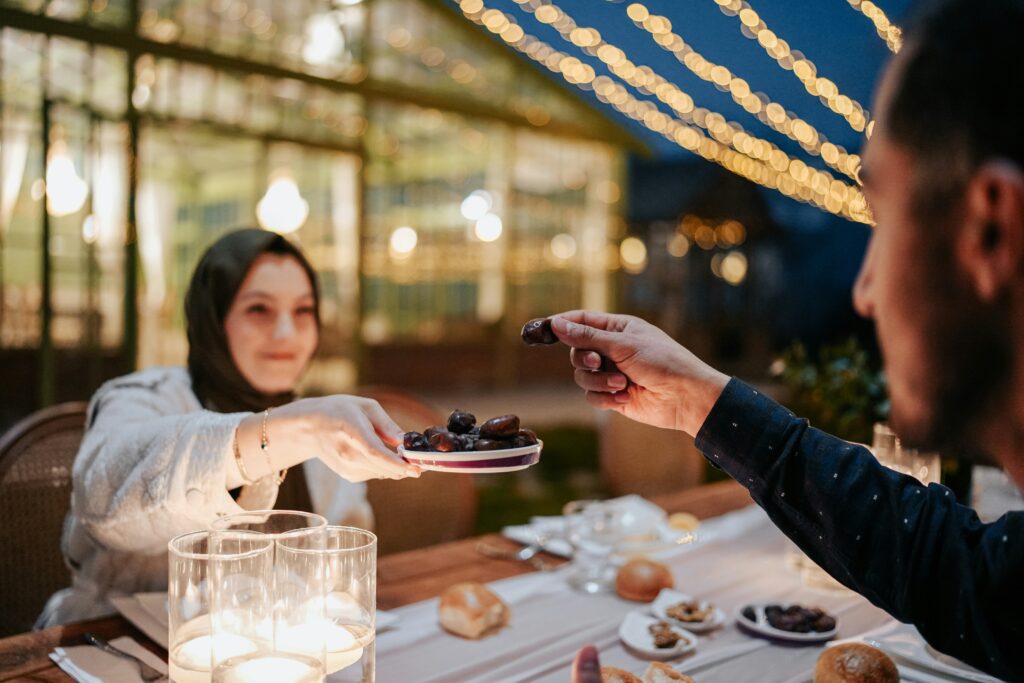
(956, 104)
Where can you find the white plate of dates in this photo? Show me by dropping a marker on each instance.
(789, 622)
(463, 446)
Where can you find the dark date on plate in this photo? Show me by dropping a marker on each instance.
(796, 619)
(538, 331)
(462, 433)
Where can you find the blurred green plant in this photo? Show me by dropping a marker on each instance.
(841, 391)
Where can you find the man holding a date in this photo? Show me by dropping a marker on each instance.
(944, 281)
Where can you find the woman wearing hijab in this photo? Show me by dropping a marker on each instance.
(168, 450)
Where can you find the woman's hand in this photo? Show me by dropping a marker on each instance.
(630, 366)
(350, 434)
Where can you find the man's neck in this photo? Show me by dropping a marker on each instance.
(1003, 432)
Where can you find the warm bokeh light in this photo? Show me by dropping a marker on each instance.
(488, 228)
(563, 246)
(324, 40)
(678, 246)
(633, 253)
(476, 205)
(65, 191)
(403, 241)
(282, 209)
(734, 267)
(89, 232)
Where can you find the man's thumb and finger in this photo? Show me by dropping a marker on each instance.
(581, 335)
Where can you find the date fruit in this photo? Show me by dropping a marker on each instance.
(445, 442)
(414, 441)
(538, 331)
(461, 422)
(463, 434)
(502, 427)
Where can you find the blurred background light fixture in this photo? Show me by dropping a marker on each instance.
(476, 205)
(678, 245)
(734, 267)
(488, 228)
(325, 42)
(89, 232)
(633, 253)
(65, 191)
(282, 209)
(403, 241)
(563, 246)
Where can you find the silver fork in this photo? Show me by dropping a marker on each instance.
(525, 554)
(146, 672)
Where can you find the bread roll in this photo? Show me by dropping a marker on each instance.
(683, 521)
(611, 674)
(660, 672)
(641, 580)
(855, 663)
(471, 610)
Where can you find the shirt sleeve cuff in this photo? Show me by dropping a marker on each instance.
(745, 432)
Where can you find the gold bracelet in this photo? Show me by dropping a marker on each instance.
(265, 447)
(246, 479)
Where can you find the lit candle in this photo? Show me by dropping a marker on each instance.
(190, 661)
(342, 648)
(276, 668)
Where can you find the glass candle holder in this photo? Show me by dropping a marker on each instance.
(350, 607)
(267, 587)
(188, 602)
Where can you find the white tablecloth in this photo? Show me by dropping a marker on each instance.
(738, 560)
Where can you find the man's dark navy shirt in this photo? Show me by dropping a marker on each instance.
(909, 549)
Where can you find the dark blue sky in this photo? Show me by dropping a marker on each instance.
(840, 41)
(819, 253)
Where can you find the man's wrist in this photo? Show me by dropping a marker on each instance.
(699, 394)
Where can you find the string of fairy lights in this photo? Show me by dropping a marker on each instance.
(770, 113)
(645, 80)
(753, 158)
(753, 27)
(887, 31)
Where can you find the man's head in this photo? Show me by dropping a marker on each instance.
(944, 174)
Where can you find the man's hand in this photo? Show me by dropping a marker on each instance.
(586, 668)
(630, 366)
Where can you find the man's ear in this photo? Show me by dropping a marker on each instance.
(990, 244)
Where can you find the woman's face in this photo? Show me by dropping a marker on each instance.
(271, 326)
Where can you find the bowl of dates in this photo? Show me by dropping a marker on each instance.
(790, 622)
(499, 444)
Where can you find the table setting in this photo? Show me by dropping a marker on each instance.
(533, 623)
(734, 561)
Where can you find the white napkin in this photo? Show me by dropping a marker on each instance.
(139, 610)
(89, 664)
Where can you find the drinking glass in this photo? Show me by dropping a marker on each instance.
(188, 602)
(267, 587)
(350, 584)
(886, 445)
(593, 528)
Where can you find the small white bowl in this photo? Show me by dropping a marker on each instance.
(668, 598)
(635, 635)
